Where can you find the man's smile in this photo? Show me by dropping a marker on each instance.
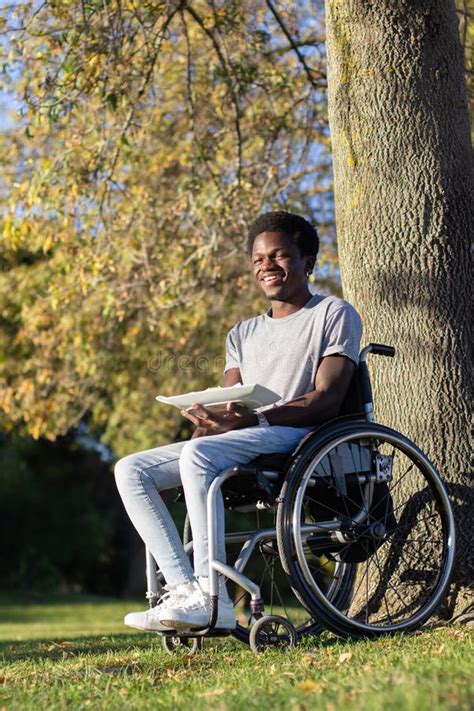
(273, 278)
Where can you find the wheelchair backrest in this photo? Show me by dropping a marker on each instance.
(348, 458)
(358, 398)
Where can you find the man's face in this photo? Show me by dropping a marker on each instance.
(278, 266)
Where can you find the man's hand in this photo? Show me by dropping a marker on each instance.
(209, 422)
(200, 432)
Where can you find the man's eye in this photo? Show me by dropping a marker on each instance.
(257, 261)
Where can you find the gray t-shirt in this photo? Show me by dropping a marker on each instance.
(283, 354)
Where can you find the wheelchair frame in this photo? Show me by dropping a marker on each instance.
(250, 540)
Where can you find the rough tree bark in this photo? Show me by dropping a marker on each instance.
(404, 187)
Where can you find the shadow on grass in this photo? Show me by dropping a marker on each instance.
(60, 648)
(57, 649)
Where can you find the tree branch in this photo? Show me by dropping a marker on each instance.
(293, 44)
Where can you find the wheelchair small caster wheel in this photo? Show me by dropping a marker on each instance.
(272, 631)
(181, 645)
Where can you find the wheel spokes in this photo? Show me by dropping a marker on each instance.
(400, 543)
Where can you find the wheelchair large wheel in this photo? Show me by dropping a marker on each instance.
(368, 497)
(265, 568)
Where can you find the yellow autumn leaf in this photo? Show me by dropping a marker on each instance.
(344, 657)
(47, 244)
(211, 693)
(310, 686)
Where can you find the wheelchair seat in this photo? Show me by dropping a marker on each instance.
(258, 481)
(272, 462)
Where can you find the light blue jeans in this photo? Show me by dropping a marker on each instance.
(193, 465)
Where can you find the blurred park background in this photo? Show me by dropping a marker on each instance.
(137, 142)
(133, 158)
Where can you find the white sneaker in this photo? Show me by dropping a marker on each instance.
(223, 594)
(195, 612)
(146, 620)
(150, 619)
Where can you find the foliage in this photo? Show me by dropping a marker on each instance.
(69, 526)
(151, 134)
(50, 662)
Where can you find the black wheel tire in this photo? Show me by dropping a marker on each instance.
(181, 645)
(272, 631)
(335, 619)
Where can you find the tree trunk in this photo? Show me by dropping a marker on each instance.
(403, 188)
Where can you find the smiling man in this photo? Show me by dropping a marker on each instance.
(305, 348)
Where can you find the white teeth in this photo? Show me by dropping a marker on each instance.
(271, 278)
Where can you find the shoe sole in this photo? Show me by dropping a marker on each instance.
(175, 624)
(135, 627)
(150, 629)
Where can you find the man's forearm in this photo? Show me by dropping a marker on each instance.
(313, 408)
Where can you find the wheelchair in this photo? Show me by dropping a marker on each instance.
(352, 532)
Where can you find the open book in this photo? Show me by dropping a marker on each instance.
(252, 396)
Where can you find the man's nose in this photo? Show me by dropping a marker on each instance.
(268, 262)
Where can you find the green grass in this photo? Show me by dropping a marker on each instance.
(75, 654)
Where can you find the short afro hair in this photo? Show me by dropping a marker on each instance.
(300, 230)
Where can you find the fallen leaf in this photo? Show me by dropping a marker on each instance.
(59, 645)
(310, 686)
(213, 692)
(309, 658)
(344, 657)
